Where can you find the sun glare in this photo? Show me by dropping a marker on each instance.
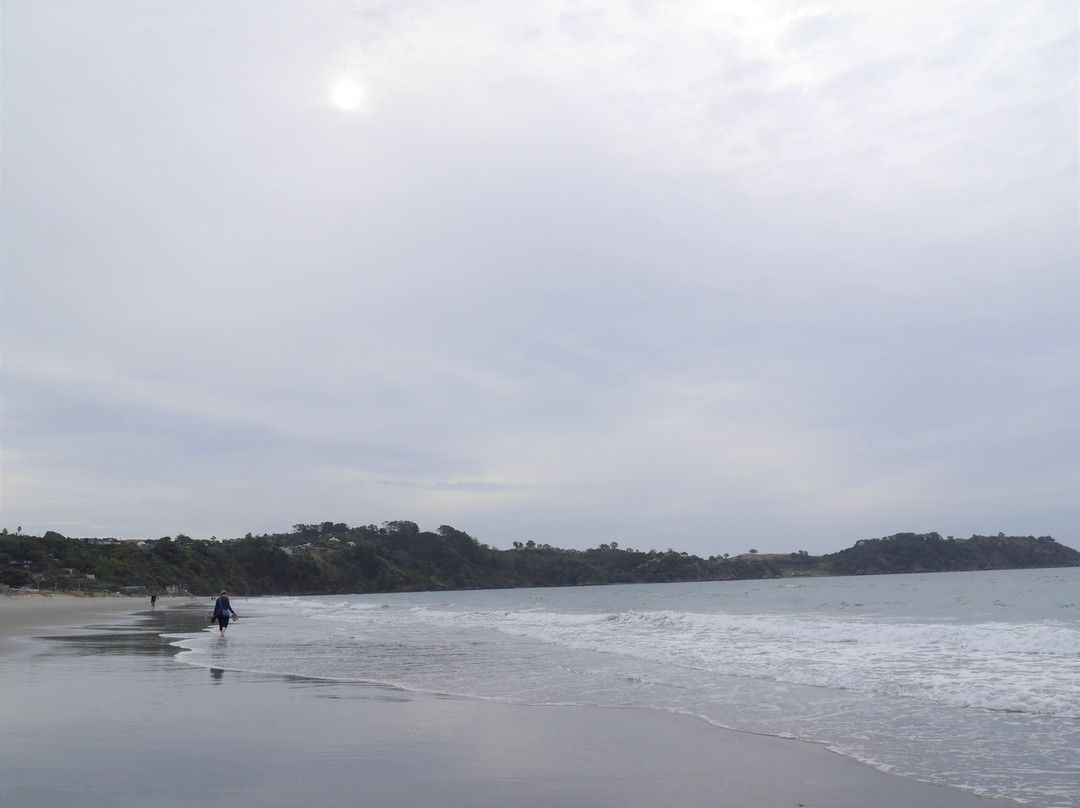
(347, 95)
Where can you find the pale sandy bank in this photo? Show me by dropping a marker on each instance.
(24, 614)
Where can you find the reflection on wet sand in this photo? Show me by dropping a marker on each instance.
(142, 637)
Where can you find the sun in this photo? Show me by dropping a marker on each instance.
(347, 95)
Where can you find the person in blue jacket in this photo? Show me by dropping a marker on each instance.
(223, 611)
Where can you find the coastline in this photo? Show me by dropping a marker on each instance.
(35, 614)
(143, 728)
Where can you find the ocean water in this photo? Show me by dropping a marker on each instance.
(969, 680)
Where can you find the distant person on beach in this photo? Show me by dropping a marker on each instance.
(153, 601)
(223, 611)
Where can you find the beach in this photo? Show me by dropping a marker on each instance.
(102, 714)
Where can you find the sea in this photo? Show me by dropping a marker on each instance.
(969, 680)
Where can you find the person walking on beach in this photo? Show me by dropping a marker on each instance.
(223, 611)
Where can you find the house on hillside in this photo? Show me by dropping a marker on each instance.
(297, 550)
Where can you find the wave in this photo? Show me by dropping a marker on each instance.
(1029, 668)
(1024, 667)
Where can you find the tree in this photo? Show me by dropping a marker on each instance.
(16, 576)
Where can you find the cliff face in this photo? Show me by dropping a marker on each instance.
(929, 552)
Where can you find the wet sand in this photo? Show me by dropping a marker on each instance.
(106, 716)
(39, 615)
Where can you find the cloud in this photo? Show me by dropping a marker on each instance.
(669, 274)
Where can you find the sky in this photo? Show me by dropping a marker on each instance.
(695, 275)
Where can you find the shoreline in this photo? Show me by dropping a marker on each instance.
(142, 727)
(41, 614)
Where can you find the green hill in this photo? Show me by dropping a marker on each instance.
(929, 552)
(398, 556)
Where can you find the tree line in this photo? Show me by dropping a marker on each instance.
(334, 558)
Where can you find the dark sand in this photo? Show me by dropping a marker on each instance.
(107, 717)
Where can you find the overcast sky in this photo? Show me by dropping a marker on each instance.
(702, 275)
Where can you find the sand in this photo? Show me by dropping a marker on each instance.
(102, 714)
(38, 615)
